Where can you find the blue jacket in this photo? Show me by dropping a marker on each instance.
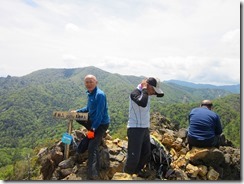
(204, 124)
(97, 108)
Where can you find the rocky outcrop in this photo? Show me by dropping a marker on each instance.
(186, 164)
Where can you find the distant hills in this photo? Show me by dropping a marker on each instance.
(231, 88)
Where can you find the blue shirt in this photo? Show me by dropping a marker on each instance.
(97, 108)
(204, 124)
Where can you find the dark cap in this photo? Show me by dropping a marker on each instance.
(154, 82)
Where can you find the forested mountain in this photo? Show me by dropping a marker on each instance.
(27, 104)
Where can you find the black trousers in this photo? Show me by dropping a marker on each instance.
(93, 152)
(213, 142)
(93, 148)
(139, 149)
(86, 124)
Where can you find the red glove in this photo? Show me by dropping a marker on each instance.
(90, 134)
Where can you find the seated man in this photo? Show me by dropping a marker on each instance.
(204, 126)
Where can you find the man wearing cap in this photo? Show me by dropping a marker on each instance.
(204, 126)
(139, 147)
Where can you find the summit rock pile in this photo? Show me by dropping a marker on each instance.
(186, 164)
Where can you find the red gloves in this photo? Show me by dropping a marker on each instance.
(90, 134)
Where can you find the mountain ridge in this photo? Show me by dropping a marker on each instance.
(68, 72)
(231, 88)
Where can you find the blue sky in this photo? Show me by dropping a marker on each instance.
(196, 41)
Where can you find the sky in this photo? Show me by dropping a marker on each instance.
(191, 40)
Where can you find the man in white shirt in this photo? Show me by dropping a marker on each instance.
(139, 148)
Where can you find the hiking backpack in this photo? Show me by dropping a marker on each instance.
(160, 158)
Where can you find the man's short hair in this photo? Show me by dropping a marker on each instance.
(207, 103)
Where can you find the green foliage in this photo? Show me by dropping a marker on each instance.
(6, 172)
(121, 132)
(8, 155)
(230, 113)
(22, 165)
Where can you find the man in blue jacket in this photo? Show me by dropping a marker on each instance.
(139, 146)
(98, 123)
(204, 126)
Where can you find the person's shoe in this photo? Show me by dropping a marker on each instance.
(143, 174)
(93, 177)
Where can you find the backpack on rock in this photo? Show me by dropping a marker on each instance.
(160, 158)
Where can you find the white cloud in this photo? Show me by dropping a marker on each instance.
(192, 68)
(232, 36)
(170, 39)
(71, 28)
(231, 41)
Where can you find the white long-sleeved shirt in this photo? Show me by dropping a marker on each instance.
(139, 109)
